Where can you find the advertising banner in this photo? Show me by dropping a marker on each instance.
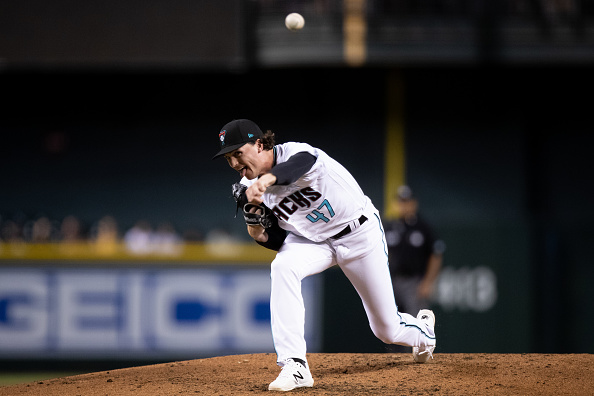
(140, 312)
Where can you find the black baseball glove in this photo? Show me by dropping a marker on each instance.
(238, 191)
(262, 216)
(257, 215)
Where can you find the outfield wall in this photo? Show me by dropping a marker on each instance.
(498, 159)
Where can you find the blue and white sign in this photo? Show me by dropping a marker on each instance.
(131, 313)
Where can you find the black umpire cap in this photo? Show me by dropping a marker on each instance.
(236, 133)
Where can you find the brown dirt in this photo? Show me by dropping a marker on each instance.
(338, 374)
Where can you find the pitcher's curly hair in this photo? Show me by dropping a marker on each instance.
(267, 140)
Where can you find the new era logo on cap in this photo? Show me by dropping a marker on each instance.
(235, 134)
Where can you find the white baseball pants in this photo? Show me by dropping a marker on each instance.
(362, 256)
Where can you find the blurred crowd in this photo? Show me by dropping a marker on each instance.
(544, 15)
(140, 238)
(544, 8)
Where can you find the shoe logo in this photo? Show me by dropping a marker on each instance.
(424, 317)
(298, 376)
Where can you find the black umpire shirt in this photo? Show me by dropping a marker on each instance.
(410, 244)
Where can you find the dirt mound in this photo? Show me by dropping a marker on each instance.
(338, 374)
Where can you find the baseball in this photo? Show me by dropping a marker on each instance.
(294, 21)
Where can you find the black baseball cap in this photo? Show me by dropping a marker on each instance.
(236, 133)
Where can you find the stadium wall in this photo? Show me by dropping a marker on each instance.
(498, 160)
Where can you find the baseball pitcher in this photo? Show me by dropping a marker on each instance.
(298, 200)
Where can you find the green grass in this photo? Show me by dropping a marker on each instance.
(24, 377)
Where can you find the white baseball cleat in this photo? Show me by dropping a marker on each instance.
(422, 354)
(293, 375)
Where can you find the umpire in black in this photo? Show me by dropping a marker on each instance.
(415, 255)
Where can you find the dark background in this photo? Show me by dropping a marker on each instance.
(497, 117)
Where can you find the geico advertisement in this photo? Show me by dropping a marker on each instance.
(128, 313)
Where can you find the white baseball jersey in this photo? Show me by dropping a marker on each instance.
(314, 208)
(319, 204)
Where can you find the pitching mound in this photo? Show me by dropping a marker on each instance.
(338, 374)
